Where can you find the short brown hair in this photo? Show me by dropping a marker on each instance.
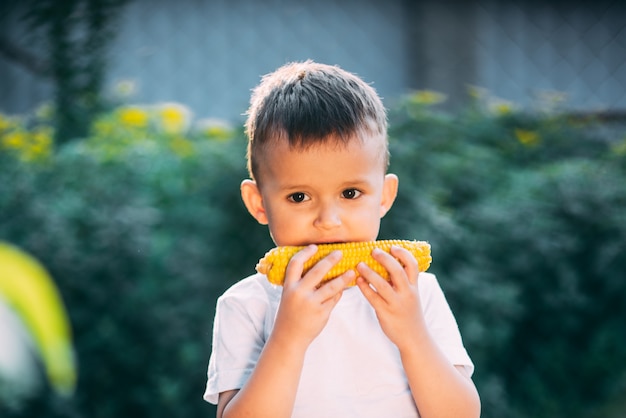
(308, 103)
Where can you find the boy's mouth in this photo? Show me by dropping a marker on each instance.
(338, 241)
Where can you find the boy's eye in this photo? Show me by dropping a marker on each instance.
(298, 197)
(351, 193)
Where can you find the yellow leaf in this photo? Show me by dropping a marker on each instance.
(29, 290)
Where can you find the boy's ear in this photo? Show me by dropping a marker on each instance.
(390, 191)
(251, 196)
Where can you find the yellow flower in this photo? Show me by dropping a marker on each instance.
(175, 117)
(526, 137)
(501, 107)
(427, 97)
(133, 116)
(45, 111)
(103, 127)
(6, 123)
(15, 140)
(29, 146)
(125, 88)
(477, 93)
(550, 100)
(40, 144)
(619, 148)
(215, 128)
(494, 105)
(181, 146)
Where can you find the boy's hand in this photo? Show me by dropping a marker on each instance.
(305, 306)
(397, 302)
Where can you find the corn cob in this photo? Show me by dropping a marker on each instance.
(274, 263)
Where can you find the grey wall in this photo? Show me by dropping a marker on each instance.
(208, 54)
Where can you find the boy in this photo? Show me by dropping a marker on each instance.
(317, 156)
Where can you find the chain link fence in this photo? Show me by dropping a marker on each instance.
(209, 54)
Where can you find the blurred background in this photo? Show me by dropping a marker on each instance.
(121, 153)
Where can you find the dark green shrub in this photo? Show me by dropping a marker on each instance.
(140, 241)
(527, 217)
(142, 227)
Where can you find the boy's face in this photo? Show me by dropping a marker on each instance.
(327, 193)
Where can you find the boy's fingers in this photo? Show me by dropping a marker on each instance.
(369, 293)
(395, 268)
(295, 267)
(335, 287)
(381, 286)
(408, 261)
(315, 275)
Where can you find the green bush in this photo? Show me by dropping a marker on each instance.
(142, 227)
(526, 213)
(141, 234)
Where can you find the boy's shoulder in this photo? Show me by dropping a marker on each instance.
(427, 280)
(255, 286)
(253, 299)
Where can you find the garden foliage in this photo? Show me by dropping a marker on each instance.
(142, 227)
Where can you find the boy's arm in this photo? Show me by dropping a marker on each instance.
(439, 389)
(302, 314)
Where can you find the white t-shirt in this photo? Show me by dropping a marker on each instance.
(350, 370)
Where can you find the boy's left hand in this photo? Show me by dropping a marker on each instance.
(397, 303)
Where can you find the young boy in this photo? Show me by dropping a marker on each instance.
(317, 157)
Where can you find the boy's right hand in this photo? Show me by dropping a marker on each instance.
(305, 306)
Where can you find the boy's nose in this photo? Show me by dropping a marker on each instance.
(327, 218)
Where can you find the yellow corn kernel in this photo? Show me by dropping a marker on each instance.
(274, 263)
